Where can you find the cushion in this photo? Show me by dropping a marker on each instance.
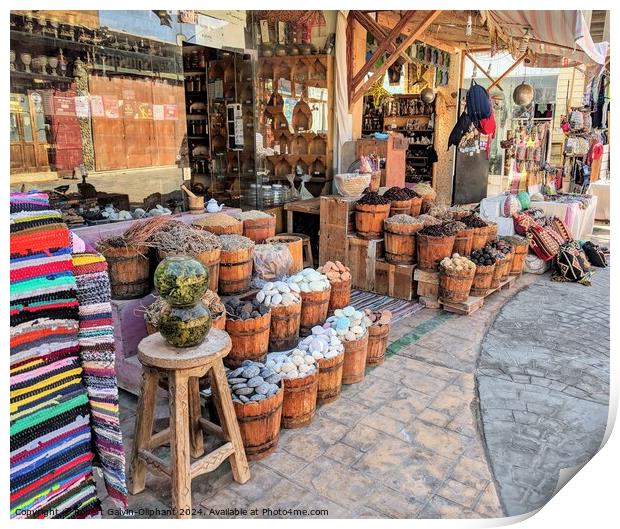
(544, 244)
(558, 226)
(523, 223)
(511, 206)
(572, 264)
(594, 254)
(524, 199)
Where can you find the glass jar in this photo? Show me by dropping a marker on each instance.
(181, 280)
(184, 326)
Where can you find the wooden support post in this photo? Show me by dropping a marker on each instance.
(377, 32)
(507, 72)
(483, 70)
(428, 20)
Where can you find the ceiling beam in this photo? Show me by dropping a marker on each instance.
(382, 48)
(421, 28)
(507, 72)
(482, 70)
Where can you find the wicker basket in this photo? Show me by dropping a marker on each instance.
(351, 184)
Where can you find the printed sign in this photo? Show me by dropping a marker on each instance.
(82, 107)
(64, 106)
(171, 112)
(158, 112)
(110, 106)
(96, 106)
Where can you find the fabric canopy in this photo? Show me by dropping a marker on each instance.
(558, 38)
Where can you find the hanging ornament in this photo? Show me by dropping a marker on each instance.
(523, 94)
(468, 27)
(427, 95)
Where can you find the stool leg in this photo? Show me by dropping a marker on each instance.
(226, 411)
(196, 439)
(144, 428)
(179, 444)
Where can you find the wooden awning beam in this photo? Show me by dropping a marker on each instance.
(507, 72)
(377, 31)
(382, 48)
(421, 28)
(482, 69)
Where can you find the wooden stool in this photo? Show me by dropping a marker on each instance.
(184, 368)
(305, 241)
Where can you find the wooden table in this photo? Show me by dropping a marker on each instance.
(311, 206)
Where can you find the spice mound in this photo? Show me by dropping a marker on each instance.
(373, 199)
(453, 227)
(473, 221)
(181, 280)
(440, 230)
(237, 309)
(501, 246)
(310, 280)
(484, 257)
(252, 215)
(401, 218)
(176, 237)
(335, 271)
(296, 364)
(279, 293)
(253, 382)
(217, 219)
(397, 193)
(457, 263)
(232, 243)
(426, 220)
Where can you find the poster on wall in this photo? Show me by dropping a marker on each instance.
(110, 106)
(158, 112)
(82, 107)
(64, 106)
(171, 112)
(96, 106)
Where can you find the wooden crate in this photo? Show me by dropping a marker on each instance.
(336, 224)
(394, 151)
(362, 256)
(427, 285)
(394, 280)
(473, 303)
(278, 213)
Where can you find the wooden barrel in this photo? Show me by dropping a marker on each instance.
(479, 238)
(235, 271)
(299, 402)
(491, 231)
(259, 424)
(228, 229)
(354, 367)
(369, 220)
(340, 295)
(330, 379)
(508, 267)
(454, 287)
(431, 250)
(377, 344)
(482, 280)
(128, 268)
(375, 181)
(295, 246)
(400, 207)
(284, 331)
(400, 246)
(500, 267)
(314, 307)
(250, 339)
(518, 259)
(463, 242)
(219, 322)
(416, 206)
(209, 259)
(259, 229)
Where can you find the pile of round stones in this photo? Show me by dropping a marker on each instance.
(245, 310)
(278, 293)
(253, 382)
(309, 280)
(335, 271)
(296, 364)
(378, 317)
(322, 343)
(350, 324)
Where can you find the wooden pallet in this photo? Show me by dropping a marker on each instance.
(474, 303)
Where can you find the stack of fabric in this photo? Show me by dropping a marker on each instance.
(50, 433)
(96, 341)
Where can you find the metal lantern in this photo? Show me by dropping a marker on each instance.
(523, 94)
(427, 95)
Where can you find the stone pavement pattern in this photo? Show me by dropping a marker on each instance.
(543, 381)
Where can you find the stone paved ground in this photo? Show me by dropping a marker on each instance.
(404, 443)
(543, 381)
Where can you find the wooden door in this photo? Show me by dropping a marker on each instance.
(66, 132)
(108, 127)
(29, 145)
(168, 122)
(137, 113)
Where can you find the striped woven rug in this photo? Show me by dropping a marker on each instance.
(400, 308)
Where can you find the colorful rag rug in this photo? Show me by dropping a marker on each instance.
(97, 352)
(50, 414)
